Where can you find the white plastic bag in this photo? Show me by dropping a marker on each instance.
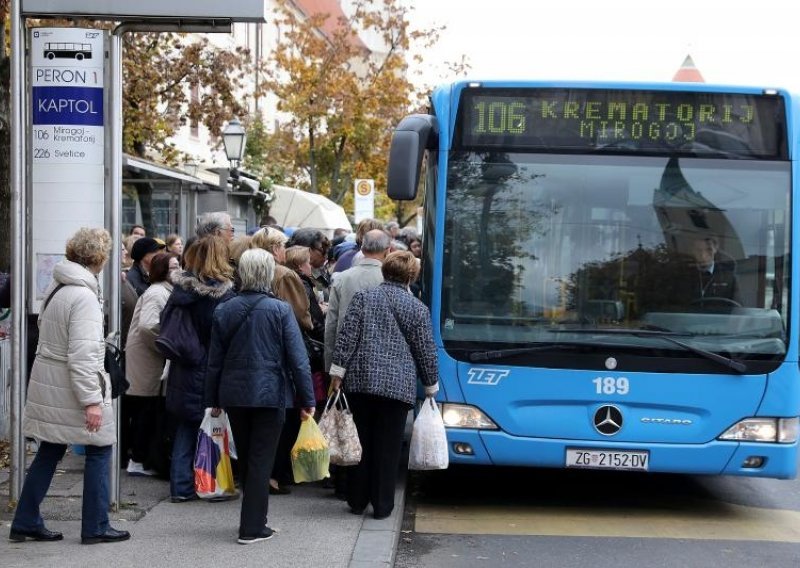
(428, 439)
(213, 476)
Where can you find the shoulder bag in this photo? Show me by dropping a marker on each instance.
(114, 361)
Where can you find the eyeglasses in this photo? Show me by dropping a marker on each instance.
(231, 230)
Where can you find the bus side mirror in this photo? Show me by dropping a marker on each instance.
(415, 134)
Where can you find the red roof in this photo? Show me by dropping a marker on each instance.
(333, 10)
(688, 73)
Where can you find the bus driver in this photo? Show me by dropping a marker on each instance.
(715, 276)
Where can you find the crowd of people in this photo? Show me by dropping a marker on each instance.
(271, 323)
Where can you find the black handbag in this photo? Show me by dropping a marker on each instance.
(115, 366)
(316, 349)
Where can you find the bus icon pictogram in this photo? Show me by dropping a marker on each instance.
(68, 50)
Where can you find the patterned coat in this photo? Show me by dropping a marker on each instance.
(361, 277)
(385, 344)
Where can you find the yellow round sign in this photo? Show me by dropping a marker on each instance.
(364, 187)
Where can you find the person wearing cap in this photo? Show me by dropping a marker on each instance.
(142, 252)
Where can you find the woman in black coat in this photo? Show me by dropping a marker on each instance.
(207, 282)
(256, 358)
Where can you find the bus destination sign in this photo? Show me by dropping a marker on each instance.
(628, 121)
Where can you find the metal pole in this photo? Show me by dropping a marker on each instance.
(115, 264)
(115, 175)
(19, 229)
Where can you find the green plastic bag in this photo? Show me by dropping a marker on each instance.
(310, 457)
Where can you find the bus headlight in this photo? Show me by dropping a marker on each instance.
(464, 416)
(775, 430)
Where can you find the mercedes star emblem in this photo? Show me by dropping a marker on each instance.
(608, 420)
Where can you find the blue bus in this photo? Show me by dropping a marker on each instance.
(609, 273)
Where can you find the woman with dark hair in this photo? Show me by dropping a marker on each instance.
(206, 282)
(144, 363)
(318, 245)
(384, 346)
(69, 397)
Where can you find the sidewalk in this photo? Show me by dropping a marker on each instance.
(315, 529)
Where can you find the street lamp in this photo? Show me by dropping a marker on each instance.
(191, 167)
(234, 139)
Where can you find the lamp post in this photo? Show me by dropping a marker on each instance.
(234, 138)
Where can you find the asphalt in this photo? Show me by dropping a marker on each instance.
(314, 529)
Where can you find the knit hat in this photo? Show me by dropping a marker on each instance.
(145, 245)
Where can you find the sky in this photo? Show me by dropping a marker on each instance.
(736, 43)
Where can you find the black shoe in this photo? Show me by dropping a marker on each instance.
(340, 495)
(111, 535)
(266, 535)
(185, 498)
(356, 511)
(381, 516)
(19, 535)
(280, 490)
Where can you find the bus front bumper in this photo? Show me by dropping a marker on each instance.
(713, 458)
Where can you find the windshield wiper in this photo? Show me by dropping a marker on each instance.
(666, 335)
(500, 353)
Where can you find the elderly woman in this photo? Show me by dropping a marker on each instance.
(386, 339)
(287, 286)
(69, 396)
(256, 355)
(145, 363)
(318, 244)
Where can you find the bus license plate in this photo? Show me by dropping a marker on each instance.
(608, 459)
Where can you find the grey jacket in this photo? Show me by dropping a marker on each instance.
(363, 276)
(385, 344)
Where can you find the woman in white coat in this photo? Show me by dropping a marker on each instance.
(69, 395)
(144, 364)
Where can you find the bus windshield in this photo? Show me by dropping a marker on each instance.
(539, 248)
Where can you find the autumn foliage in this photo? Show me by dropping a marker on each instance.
(338, 100)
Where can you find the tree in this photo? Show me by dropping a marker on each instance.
(341, 100)
(160, 72)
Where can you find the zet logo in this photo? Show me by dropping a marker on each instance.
(488, 377)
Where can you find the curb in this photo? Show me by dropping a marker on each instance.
(376, 546)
